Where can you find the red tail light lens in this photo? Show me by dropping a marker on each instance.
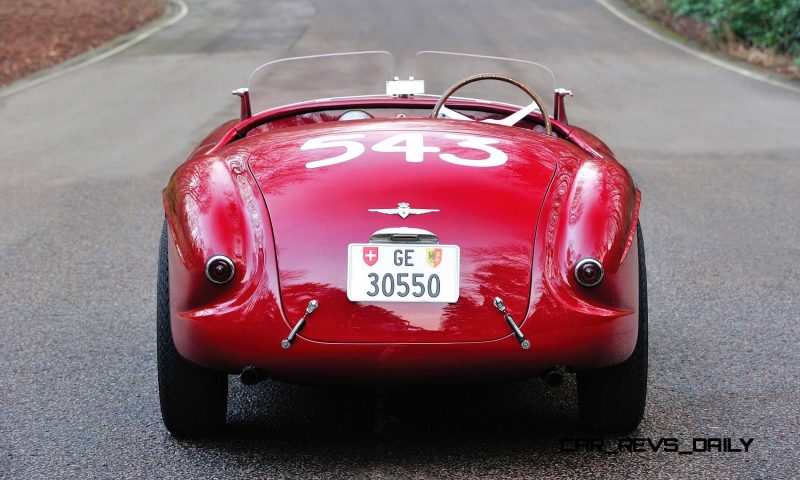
(588, 272)
(220, 269)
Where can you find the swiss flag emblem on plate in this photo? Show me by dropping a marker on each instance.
(370, 255)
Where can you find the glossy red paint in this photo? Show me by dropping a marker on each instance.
(522, 226)
(316, 213)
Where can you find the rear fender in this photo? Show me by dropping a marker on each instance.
(213, 207)
(213, 138)
(595, 217)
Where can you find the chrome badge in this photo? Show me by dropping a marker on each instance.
(404, 210)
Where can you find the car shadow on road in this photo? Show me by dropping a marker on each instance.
(275, 423)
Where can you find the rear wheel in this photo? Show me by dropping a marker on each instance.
(194, 400)
(612, 399)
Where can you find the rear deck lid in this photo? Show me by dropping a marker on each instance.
(480, 186)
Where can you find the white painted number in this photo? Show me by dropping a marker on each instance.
(412, 144)
(496, 157)
(353, 149)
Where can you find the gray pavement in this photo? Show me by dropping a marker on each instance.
(84, 157)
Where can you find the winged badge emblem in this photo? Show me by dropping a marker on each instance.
(404, 210)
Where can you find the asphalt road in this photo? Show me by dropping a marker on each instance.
(83, 158)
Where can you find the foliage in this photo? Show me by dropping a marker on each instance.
(769, 24)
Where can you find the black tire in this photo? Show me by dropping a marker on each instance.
(612, 399)
(194, 400)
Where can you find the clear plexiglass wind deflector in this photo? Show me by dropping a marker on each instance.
(300, 79)
(360, 74)
(441, 70)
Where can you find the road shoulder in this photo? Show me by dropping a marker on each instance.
(175, 11)
(652, 28)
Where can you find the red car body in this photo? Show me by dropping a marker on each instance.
(245, 192)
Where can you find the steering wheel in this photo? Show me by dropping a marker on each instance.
(510, 120)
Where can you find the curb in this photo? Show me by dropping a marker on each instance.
(175, 11)
(651, 28)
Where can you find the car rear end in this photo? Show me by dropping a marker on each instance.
(387, 263)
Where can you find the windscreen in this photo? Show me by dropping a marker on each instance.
(300, 79)
(355, 74)
(441, 70)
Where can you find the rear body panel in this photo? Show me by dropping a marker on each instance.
(521, 227)
(316, 212)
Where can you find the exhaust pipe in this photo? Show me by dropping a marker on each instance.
(252, 375)
(554, 376)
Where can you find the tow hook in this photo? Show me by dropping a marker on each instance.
(287, 342)
(523, 342)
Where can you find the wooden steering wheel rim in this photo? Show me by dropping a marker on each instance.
(495, 76)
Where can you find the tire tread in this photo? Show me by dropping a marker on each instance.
(194, 400)
(612, 399)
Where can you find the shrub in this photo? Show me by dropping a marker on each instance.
(768, 24)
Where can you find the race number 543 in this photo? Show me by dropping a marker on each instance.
(412, 144)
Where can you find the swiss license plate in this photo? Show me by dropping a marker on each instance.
(402, 273)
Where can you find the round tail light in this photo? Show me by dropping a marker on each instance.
(220, 269)
(589, 272)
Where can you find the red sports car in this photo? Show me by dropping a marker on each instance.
(353, 226)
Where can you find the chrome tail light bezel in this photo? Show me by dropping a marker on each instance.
(589, 261)
(228, 262)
